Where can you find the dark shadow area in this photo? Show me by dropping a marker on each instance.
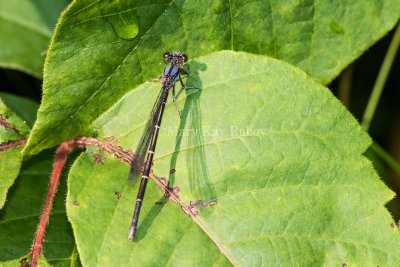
(21, 84)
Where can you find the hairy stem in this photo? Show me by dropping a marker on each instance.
(61, 157)
(126, 156)
(12, 144)
(8, 126)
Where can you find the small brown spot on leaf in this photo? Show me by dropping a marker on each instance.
(392, 225)
(212, 202)
(344, 265)
(204, 203)
(163, 181)
(193, 209)
(116, 141)
(118, 194)
(109, 139)
(99, 159)
(24, 262)
(172, 171)
(161, 202)
(76, 203)
(176, 190)
(129, 153)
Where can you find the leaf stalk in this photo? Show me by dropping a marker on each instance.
(381, 79)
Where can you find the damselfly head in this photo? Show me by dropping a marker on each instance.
(167, 56)
(175, 57)
(184, 58)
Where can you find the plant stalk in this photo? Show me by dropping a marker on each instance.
(386, 157)
(381, 79)
(61, 157)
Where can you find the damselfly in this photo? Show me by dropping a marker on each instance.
(172, 73)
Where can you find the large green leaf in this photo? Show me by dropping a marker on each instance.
(91, 63)
(20, 216)
(276, 150)
(26, 27)
(100, 221)
(12, 128)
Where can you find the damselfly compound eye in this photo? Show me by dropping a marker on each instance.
(184, 58)
(167, 56)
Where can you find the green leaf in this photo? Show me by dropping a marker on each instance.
(12, 128)
(276, 150)
(25, 108)
(26, 27)
(89, 66)
(20, 216)
(167, 237)
(18, 263)
(10, 163)
(122, 18)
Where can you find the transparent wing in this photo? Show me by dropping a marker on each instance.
(142, 148)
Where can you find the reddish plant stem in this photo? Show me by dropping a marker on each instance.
(11, 144)
(61, 157)
(8, 126)
(111, 148)
(127, 156)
